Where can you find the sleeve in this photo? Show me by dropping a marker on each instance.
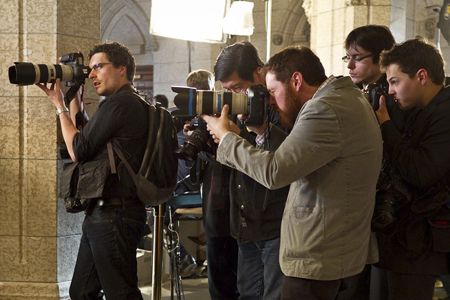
(106, 123)
(315, 140)
(425, 160)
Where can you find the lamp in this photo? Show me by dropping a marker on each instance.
(239, 19)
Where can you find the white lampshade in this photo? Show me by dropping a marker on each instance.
(239, 19)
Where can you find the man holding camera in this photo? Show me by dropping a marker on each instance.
(115, 222)
(363, 46)
(415, 253)
(255, 212)
(331, 158)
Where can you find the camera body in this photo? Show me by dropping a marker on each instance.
(255, 103)
(392, 194)
(195, 143)
(72, 71)
(373, 93)
(191, 102)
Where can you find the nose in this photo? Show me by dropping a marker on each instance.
(391, 91)
(350, 64)
(91, 73)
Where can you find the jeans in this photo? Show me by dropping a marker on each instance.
(107, 255)
(222, 253)
(259, 272)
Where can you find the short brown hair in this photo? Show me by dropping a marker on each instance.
(413, 55)
(118, 55)
(201, 80)
(296, 59)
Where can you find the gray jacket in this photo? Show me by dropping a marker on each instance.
(332, 159)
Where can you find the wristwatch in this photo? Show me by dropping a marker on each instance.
(61, 110)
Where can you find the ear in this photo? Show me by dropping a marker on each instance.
(257, 76)
(297, 81)
(123, 71)
(422, 75)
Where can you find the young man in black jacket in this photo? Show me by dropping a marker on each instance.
(115, 221)
(417, 252)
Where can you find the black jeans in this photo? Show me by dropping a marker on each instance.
(222, 256)
(107, 255)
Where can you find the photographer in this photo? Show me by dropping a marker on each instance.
(416, 253)
(331, 158)
(115, 222)
(363, 46)
(255, 212)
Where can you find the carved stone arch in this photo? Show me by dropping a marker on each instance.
(124, 17)
(295, 29)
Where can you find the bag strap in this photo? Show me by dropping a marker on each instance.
(112, 163)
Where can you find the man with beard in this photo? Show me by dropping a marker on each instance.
(331, 158)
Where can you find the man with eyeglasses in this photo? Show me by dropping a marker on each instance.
(363, 46)
(243, 224)
(114, 223)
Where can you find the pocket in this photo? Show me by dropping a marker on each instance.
(92, 178)
(440, 230)
(68, 180)
(304, 233)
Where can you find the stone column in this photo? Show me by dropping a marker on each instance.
(38, 239)
(332, 20)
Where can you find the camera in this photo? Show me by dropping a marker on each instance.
(195, 143)
(72, 72)
(373, 93)
(392, 194)
(255, 103)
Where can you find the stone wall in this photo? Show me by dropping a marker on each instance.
(38, 239)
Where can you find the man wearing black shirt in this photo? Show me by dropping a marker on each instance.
(115, 222)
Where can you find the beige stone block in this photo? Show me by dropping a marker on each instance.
(338, 67)
(9, 53)
(398, 24)
(40, 128)
(380, 15)
(10, 120)
(40, 198)
(10, 197)
(325, 58)
(25, 258)
(360, 13)
(40, 16)
(324, 6)
(30, 291)
(9, 14)
(338, 27)
(84, 23)
(173, 72)
(324, 34)
(380, 2)
(171, 51)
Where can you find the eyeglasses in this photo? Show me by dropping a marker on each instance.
(99, 66)
(352, 58)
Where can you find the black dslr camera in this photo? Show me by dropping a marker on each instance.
(392, 194)
(191, 102)
(72, 72)
(373, 93)
(195, 143)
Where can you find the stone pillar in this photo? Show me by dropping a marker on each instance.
(332, 20)
(38, 239)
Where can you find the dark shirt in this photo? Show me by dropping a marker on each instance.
(421, 158)
(256, 211)
(123, 117)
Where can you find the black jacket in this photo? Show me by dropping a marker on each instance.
(422, 158)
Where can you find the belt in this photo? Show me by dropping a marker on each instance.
(116, 202)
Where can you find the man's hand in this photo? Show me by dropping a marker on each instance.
(382, 113)
(218, 126)
(54, 93)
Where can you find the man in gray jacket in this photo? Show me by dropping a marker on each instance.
(331, 158)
